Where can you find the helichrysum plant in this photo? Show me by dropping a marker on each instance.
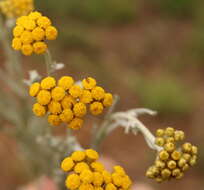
(86, 172)
(31, 32)
(172, 161)
(66, 101)
(16, 8)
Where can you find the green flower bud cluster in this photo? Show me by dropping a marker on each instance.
(172, 161)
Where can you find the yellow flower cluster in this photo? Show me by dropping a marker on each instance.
(86, 173)
(16, 8)
(172, 161)
(65, 101)
(31, 32)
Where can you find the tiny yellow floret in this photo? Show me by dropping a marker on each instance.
(34, 89)
(76, 123)
(16, 44)
(44, 22)
(78, 156)
(44, 97)
(51, 33)
(110, 186)
(89, 83)
(54, 107)
(67, 164)
(73, 181)
(66, 82)
(76, 91)
(79, 109)
(48, 83)
(97, 166)
(86, 176)
(39, 110)
(26, 37)
(34, 15)
(54, 120)
(27, 49)
(80, 167)
(108, 100)
(68, 102)
(66, 115)
(58, 93)
(17, 31)
(39, 47)
(96, 108)
(86, 97)
(38, 34)
(98, 93)
(92, 154)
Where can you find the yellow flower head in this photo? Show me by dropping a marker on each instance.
(39, 47)
(171, 161)
(39, 110)
(65, 101)
(67, 115)
(34, 89)
(16, 8)
(54, 120)
(58, 93)
(98, 93)
(86, 97)
(79, 109)
(44, 97)
(75, 91)
(108, 100)
(32, 31)
(73, 181)
(76, 123)
(27, 49)
(80, 167)
(54, 107)
(67, 164)
(89, 83)
(66, 82)
(96, 108)
(78, 156)
(68, 102)
(48, 83)
(16, 44)
(86, 173)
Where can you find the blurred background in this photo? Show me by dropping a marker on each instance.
(150, 53)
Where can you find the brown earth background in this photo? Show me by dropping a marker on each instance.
(148, 52)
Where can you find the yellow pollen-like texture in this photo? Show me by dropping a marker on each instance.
(85, 172)
(16, 8)
(31, 32)
(65, 101)
(172, 161)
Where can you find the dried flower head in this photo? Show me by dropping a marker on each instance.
(86, 172)
(31, 32)
(172, 161)
(66, 102)
(16, 8)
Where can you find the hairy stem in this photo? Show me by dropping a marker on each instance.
(13, 65)
(49, 62)
(100, 133)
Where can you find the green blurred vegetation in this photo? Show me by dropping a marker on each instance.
(176, 7)
(166, 95)
(105, 11)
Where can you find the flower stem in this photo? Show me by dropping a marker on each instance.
(49, 62)
(100, 133)
(6, 47)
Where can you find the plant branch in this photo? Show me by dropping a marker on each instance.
(128, 120)
(49, 62)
